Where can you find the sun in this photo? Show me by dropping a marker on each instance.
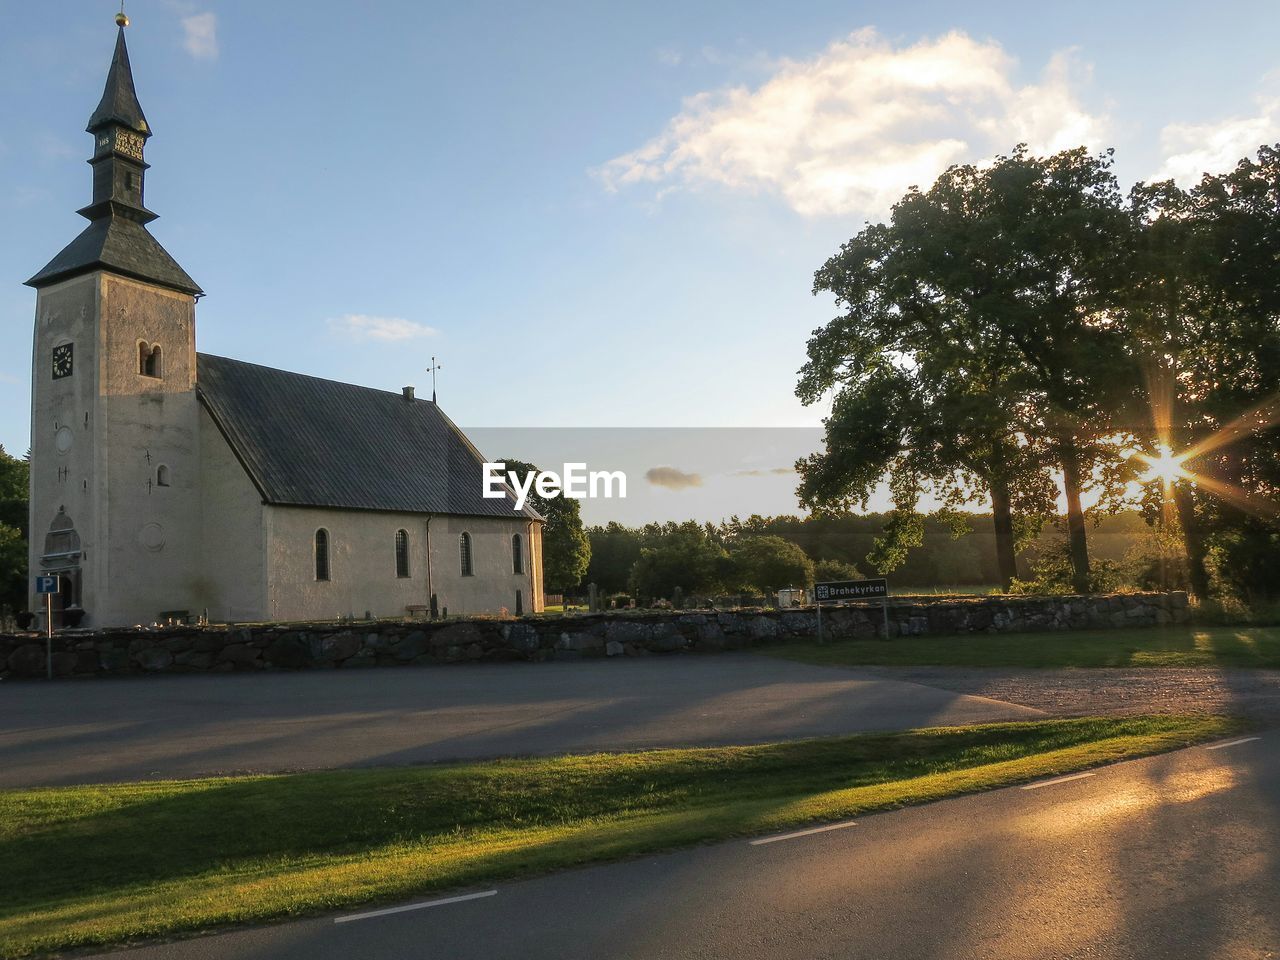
(1163, 466)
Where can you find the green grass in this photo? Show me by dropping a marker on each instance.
(96, 865)
(1141, 647)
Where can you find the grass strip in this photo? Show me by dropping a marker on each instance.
(107, 864)
(1141, 647)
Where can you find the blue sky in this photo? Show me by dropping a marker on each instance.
(594, 214)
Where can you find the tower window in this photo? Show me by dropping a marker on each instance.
(517, 553)
(464, 552)
(322, 554)
(162, 476)
(402, 553)
(149, 360)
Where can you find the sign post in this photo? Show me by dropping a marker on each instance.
(836, 590)
(48, 586)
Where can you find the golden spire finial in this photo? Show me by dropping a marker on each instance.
(121, 19)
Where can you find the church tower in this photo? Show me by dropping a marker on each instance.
(115, 507)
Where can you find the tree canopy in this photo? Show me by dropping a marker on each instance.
(566, 551)
(1021, 323)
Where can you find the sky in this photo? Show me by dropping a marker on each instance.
(595, 215)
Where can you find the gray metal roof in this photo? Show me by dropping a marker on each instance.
(121, 245)
(305, 441)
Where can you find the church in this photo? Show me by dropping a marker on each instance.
(167, 483)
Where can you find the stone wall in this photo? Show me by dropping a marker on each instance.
(391, 643)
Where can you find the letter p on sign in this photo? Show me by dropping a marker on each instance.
(46, 584)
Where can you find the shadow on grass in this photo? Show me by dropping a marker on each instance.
(1248, 647)
(92, 864)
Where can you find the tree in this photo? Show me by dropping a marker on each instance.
(566, 551)
(1205, 320)
(826, 571)
(684, 555)
(14, 518)
(614, 551)
(963, 358)
(15, 481)
(768, 564)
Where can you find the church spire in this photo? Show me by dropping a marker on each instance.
(119, 102)
(116, 238)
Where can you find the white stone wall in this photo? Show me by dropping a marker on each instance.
(234, 582)
(153, 532)
(100, 436)
(362, 567)
(65, 466)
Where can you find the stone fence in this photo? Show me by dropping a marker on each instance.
(392, 643)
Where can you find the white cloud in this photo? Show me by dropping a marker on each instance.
(849, 130)
(1193, 149)
(364, 327)
(672, 478)
(9, 378)
(201, 35)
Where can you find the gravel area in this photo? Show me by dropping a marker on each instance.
(1077, 691)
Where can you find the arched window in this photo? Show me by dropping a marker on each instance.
(402, 553)
(517, 553)
(162, 476)
(322, 554)
(149, 360)
(464, 554)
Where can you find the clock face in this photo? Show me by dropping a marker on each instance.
(61, 361)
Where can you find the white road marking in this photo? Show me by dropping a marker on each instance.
(1232, 743)
(803, 833)
(1056, 780)
(413, 906)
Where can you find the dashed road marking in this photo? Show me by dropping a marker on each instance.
(803, 833)
(413, 906)
(1056, 780)
(1232, 743)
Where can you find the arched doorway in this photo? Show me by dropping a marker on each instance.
(61, 558)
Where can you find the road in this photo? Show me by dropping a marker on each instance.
(91, 731)
(1176, 856)
(1251, 693)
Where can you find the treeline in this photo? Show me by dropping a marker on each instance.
(651, 561)
(14, 475)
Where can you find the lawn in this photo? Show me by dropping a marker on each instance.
(96, 865)
(1141, 647)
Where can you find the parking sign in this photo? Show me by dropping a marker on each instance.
(46, 584)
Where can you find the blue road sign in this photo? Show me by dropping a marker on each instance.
(850, 590)
(46, 584)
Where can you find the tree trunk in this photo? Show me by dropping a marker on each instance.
(1077, 539)
(1002, 513)
(1192, 541)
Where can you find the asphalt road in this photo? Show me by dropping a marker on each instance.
(91, 731)
(1251, 693)
(1170, 857)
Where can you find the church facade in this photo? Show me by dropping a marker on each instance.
(168, 483)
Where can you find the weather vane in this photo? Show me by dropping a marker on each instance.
(432, 370)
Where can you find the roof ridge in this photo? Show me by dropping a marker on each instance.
(312, 376)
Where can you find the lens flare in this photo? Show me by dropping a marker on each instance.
(1164, 466)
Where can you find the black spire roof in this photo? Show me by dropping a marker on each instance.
(119, 102)
(116, 239)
